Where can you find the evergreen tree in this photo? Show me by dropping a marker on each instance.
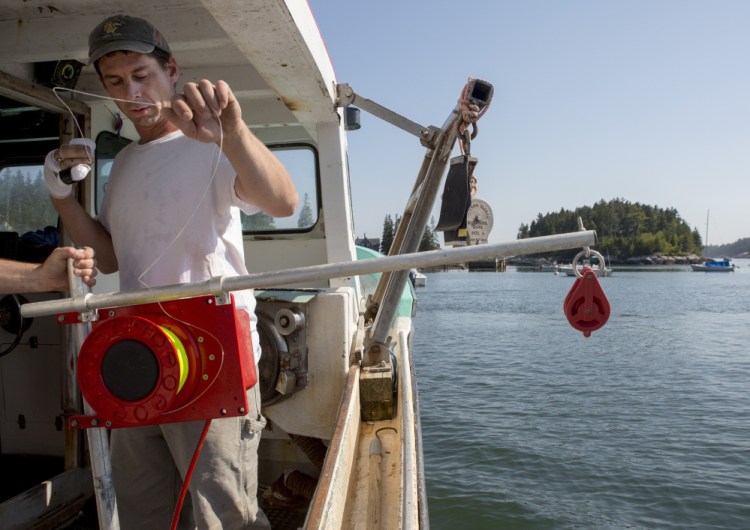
(389, 232)
(625, 229)
(429, 239)
(740, 248)
(305, 214)
(258, 222)
(24, 201)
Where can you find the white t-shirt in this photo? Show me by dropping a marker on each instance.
(174, 216)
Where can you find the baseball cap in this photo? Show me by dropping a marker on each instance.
(125, 33)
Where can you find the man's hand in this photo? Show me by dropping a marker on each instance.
(261, 178)
(52, 275)
(196, 110)
(73, 160)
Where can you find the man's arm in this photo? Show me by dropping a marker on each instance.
(52, 275)
(87, 231)
(261, 179)
(84, 229)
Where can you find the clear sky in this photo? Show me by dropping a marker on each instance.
(643, 100)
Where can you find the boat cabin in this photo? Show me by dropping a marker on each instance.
(312, 327)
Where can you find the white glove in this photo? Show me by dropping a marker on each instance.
(57, 188)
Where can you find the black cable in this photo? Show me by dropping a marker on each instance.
(6, 320)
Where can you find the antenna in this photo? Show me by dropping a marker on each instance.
(705, 244)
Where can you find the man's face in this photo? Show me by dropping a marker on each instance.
(139, 78)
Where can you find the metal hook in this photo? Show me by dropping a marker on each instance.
(586, 250)
(464, 138)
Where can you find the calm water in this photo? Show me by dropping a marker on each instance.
(527, 424)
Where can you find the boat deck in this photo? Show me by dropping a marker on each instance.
(281, 518)
(27, 471)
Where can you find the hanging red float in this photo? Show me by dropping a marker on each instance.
(586, 307)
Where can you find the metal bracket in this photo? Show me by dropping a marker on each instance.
(376, 384)
(345, 96)
(376, 399)
(216, 287)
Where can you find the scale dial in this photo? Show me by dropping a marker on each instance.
(479, 221)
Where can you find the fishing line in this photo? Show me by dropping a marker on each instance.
(200, 201)
(57, 89)
(197, 451)
(205, 191)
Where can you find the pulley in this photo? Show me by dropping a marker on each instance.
(586, 306)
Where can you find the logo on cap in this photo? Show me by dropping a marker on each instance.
(111, 26)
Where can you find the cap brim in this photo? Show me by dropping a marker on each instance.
(120, 45)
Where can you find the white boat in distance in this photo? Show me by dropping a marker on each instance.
(568, 270)
(714, 265)
(417, 278)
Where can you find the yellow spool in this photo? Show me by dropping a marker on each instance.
(181, 356)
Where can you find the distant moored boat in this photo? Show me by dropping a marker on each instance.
(714, 265)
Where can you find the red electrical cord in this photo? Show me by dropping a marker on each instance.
(188, 475)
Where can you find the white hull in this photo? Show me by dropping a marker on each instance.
(568, 270)
(708, 268)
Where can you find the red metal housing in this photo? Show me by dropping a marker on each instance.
(166, 362)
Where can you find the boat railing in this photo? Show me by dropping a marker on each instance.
(220, 286)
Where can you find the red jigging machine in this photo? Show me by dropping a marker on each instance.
(181, 360)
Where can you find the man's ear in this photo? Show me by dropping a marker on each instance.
(173, 70)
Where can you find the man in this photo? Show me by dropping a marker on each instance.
(52, 275)
(171, 214)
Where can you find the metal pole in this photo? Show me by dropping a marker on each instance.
(396, 246)
(101, 468)
(220, 285)
(413, 235)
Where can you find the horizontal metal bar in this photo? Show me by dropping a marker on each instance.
(347, 96)
(391, 117)
(220, 285)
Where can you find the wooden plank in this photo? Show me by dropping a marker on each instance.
(52, 500)
(409, 467)
(327, 506)
(36, 95)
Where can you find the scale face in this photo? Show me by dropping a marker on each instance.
(479, 221)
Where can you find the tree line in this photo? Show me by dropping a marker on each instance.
(740, 248)
(24, 201)
(429, 239)
(624, 229)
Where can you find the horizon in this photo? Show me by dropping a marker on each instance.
(646, 102)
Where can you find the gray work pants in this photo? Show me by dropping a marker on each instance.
(148, 464)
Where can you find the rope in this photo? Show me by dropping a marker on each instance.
(189, 474)
(469, 113)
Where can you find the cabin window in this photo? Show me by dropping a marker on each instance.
(301, 163)
(24, 200)
(28, 221)
(107, 146)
